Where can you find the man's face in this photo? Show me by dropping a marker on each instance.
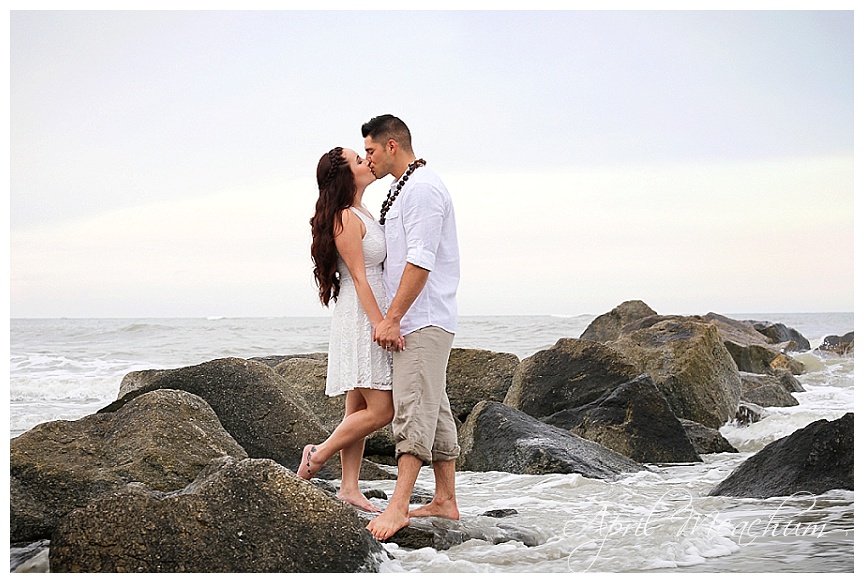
(379, 156)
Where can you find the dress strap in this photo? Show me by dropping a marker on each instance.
(363, 216)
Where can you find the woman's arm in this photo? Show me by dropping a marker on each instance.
(349, 244)
(388, 333)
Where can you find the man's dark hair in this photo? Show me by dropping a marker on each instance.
(386, 127)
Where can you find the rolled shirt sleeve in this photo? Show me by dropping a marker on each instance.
(420, 229)
(423, 217)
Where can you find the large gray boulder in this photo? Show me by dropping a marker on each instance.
(634, 420)
(241, 516)
(570, 374)
(607, 327)
(705, 439)
(593, 390)
(255, 406)
(765, 391)
(788, 381)
(690, 365)
(779, 333)
(814, 459)
(163, 439)
(478, 375)
(843, 345)
(751, 350)
(307, 378)
(496, 437)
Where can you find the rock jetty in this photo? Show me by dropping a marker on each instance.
(192, 469)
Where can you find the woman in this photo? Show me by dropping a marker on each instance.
(348, 251)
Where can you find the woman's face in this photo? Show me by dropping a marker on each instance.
(359, 168)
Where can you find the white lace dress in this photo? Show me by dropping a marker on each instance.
(354, 359)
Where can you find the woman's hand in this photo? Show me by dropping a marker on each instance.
(388, 335)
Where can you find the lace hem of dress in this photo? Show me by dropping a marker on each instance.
(342, 390)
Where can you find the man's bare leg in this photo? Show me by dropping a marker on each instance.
(396, 517)
(443, 504)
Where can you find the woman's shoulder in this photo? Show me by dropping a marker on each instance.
(351, 222)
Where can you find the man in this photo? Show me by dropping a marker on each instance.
(421, 274)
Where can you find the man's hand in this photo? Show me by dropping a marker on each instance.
(388, 333)
(388, 336)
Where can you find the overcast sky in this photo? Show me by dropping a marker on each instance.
(162, 163)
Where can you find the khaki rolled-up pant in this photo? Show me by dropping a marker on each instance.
(423, 424)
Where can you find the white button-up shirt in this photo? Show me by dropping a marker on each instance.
(420, 229)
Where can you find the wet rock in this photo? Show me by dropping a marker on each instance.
(608, 326)
(765, 391)
(163, 439)
(500, 512)
(784, 362)
(634, 420)
(787, 381)
(30, 558)
(255, 406)
(422, 532)
(751, 350)
(241, 516)
(778, 333)
(814, 459)
(133, 381)
(705, 439)
(275, 360)
(307, 378)
(749, 413)
(570, 374)
(442, 533)
(842, 345)
(478, 375)
(496, 437)
(690, 365)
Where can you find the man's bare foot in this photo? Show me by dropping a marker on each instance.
(445, 509)
(308, 466)
(388, 523)
(359, 500)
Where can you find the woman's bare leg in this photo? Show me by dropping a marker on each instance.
(352, 454)
(360, 422)
(352, 459)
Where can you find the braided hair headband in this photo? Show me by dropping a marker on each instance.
(336, 160)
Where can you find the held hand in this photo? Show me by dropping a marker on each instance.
(388, 335)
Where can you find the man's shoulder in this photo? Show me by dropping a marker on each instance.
(426, 179)
(427, 174)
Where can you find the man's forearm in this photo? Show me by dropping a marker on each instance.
(410, 286)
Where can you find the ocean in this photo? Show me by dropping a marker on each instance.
(655, 521)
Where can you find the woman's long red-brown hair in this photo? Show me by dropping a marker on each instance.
(335, 193)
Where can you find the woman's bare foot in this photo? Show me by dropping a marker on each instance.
(388, 523)
(359, 500)
(443, 509)
(308, 465)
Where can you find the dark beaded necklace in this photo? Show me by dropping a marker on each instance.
(389, 202)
